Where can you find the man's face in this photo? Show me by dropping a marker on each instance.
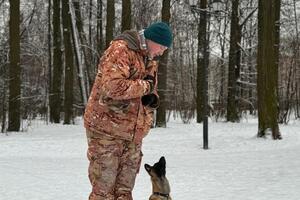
(155, 49)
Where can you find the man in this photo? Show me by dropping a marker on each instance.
(120, 109)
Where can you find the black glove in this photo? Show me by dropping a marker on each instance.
(150, 100)
(152, 82)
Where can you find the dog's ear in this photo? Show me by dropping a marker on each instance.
(160, 167)
(162, 161)
(147, 167)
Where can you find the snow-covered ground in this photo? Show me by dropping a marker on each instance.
(49, 163)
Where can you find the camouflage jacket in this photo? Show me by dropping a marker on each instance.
(114, 107)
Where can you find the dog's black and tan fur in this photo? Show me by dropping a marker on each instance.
(160, 184)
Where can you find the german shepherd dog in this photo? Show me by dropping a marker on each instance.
(160, 184)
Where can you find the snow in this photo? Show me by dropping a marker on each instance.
(49, 162)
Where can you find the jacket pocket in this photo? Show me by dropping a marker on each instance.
(118, 106)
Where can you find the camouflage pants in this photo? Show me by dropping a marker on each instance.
(114, 164)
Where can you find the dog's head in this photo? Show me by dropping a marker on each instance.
(158, 169)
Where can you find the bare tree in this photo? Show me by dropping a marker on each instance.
(49, 79)
(4, 64)
(110, 22)
(289, 79)
(162, 72)
(235, 89)
(234, 64)
(69, 64)
(267, 67)
(14, 67)
(126, 15)
(55, 93)
(84, 64)
(99, 35)
(3, 100)
(202, 60)
(297, 62)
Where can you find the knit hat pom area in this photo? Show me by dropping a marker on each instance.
(160, 33)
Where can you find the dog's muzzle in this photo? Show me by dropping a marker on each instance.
(161, 194)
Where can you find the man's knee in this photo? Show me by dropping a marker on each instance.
(102, 183)
(104, 161)
(103, 171)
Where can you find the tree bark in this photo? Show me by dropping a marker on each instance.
(49, 78)
(234, 59)
(99, 36)
(90, 20)
(3, 113)
(297, 63)
(110, 22)
(55, 94)
(126, 15)
(79, 35)
(69, 63)
(14, 68)
(202, 61)
(162, 72)
(87, 52)
(267, 67)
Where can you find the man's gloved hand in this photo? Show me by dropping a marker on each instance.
(150, 100)
(152, 82)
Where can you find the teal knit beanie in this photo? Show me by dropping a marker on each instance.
(160, 33)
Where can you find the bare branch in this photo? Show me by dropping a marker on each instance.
(30, 17)
(1, 2)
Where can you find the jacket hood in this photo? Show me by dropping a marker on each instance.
(131, 37)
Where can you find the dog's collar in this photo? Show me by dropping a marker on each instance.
(161, 194)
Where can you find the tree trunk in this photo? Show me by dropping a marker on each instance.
(126, 15)
(110, 22)
(90, 20)
(297, 63)
(69, 64)
(232, 114)
(86, 47)
(222, 64)
(14, 67)
(49, 79)
(162, 72)
(267, 67)
(3, 113)
(202, 61)
(99, 27)
(55, 94)
(79, 35)
(251, 68)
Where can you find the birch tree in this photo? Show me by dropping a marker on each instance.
(78, 35)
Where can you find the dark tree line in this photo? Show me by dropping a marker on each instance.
(50, 51)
